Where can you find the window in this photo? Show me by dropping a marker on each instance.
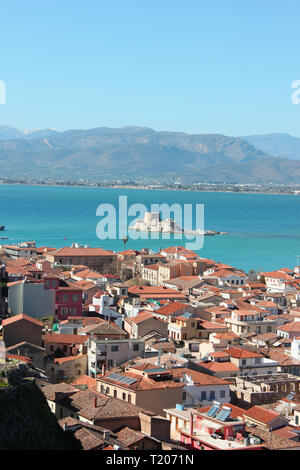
(65, 297)
(114, 348)
(212, 395)
(124, 396)
(257, 360)
(222, 394)
(115, 393)
(244, 362)
(183, 396)
(129, 398)
(74, 298)
(136, 347)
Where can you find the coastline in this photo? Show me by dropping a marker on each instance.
(147, 188)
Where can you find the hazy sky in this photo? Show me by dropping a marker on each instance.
(210, 66)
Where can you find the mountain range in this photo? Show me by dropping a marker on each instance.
(142, 154)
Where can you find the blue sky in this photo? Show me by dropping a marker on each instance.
(193, 66)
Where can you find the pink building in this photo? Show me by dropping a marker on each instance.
(68, 300)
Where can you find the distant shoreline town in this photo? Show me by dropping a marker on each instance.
(247, 188)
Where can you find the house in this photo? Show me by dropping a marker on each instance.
(31, 298)
(223, 277)
(63, 369)
(91, 407)
(21, 250)
(180, 252)
(271, 307)
(278, 281)
(103, 330)
(68, 301)
(68, 345)
(108, 353)
(295, 347)
(144, 385)
(286, 362)
(218, 428)
(21, 328)
(183, 327)
(84, 381)
(144, 323)
(267, 418)
(175, 269)
(218, 342)
(35, 353)
(103, 306)
(249, 320)
(184, 284)
(172, 309)
(155, 293)
(146, 259)
(137, 440)
(201, 389)
(290, 330)
(94, 258)
(236, 361)
(88, 435)
(49, 297)
(150, 274)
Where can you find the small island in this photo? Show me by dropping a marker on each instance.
(152, 223)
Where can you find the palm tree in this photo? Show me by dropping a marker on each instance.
(125, 240)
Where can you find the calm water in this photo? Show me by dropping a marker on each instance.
(263, 229)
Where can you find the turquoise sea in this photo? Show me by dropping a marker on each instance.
(263, 230)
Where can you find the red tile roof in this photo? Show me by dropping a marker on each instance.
(68, 251)
(199, 378)
(219, 366)
(240, 353)
(171, 308)
(260, 414)
(65, 339)
(61, 360)
(20, 317)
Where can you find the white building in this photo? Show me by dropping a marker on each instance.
(108, 353)
(202, 389)
(32, 299)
